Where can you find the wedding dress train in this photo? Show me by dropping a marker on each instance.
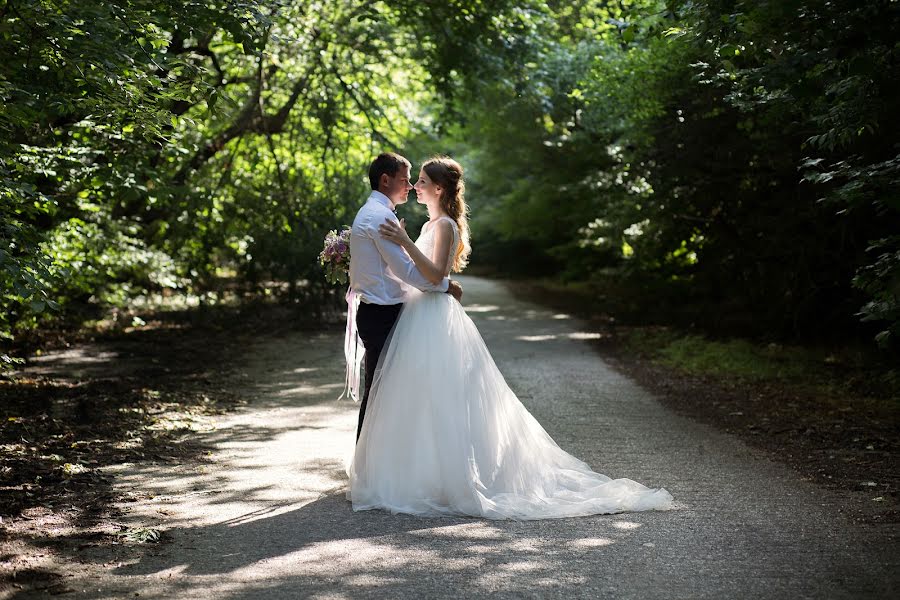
(445, 435)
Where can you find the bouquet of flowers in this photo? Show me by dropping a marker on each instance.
(335, 256)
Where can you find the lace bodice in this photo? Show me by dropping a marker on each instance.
(425, 241)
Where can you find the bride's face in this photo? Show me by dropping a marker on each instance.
(427, 191)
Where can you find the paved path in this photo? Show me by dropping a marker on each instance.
(266, 517)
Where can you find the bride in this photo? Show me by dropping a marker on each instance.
(444, 434)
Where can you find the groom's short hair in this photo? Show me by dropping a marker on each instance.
(386, 163)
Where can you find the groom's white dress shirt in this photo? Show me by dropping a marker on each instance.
(380, 270)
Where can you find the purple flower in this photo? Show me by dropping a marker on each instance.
(335, 255)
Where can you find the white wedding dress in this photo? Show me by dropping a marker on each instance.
(444, 434)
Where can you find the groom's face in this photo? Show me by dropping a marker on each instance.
(398, 186)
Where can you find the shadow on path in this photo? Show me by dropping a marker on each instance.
(324, 546)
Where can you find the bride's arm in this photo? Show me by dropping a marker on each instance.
(432, 268)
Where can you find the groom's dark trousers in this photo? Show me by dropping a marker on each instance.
(373, 323)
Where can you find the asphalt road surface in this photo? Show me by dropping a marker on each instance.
(265, 515)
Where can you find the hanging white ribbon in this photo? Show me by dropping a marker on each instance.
(353, 349)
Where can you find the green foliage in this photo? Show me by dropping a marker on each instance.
(881, 280)
(735, 358)
(827, 83)
(732, 162)
(737, 159)
(148, 146)
(88, 94)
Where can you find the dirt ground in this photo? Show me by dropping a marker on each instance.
(94, 399)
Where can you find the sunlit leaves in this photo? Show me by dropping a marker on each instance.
(148, 145)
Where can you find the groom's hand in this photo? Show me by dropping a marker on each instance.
(455, 290)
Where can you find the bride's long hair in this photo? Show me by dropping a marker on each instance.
(448, 174)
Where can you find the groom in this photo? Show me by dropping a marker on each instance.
(381, 272)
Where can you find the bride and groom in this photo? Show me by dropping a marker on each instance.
(440, 432)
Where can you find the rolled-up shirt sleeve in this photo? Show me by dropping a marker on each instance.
(403, 266)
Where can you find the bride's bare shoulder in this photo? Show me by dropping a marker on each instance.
(444, 225)
(445, 222)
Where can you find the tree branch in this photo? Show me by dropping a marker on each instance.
(364, 110)
(250, 120)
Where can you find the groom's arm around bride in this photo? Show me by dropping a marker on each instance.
(381, 272)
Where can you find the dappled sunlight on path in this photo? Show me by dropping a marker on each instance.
(265, 514)
(326, 548)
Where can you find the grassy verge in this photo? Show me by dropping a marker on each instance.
(831, 372)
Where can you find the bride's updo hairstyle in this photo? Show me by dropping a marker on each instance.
(448, 174)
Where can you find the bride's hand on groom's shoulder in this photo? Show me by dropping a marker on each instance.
(395, 232)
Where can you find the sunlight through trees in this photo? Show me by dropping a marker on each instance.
(732, 162)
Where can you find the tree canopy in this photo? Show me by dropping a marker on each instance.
(732, 163)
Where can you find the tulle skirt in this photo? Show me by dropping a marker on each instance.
(445, 435)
